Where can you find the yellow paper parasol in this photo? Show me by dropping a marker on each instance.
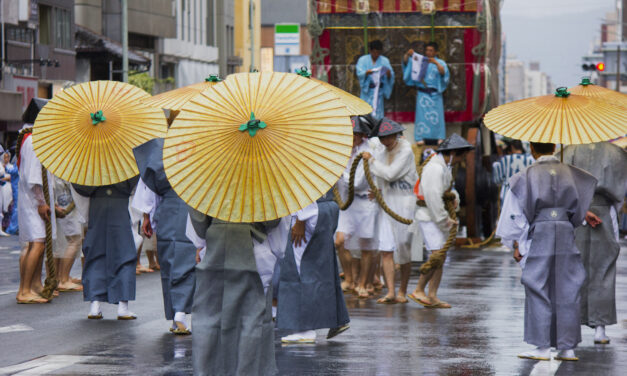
(588, 89)
(174, 100)
(621, 142)
(86, 134)
(560, 119)
(258, 146)
(355, 105)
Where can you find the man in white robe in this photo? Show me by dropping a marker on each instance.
(432, 217)
(32, 211)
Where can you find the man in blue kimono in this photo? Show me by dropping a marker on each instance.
(376, 78)
(168, 212)
(547, 201)
(109, 249)
(508, 165)
(310, 294)
(429, 121)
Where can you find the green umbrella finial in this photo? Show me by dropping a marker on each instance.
(303, 71)
(97, 117)
(213, 78)
(252, 126)
(585, 81)
(562, 92)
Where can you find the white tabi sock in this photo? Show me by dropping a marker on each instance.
(123, 310)
(599, 334)
(182, 318)
(537, 353)
(568, 354)
(94, 309)
(273, 312)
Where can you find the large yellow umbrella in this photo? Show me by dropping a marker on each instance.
(355, 105)
(588, 89)
(258, 146)
(562, 118)
(86, 134)
(174, 100)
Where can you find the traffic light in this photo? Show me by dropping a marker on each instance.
(599, 67)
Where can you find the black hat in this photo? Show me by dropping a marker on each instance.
(388, 127)
(455, 142)
(363, 124)
(35, 105)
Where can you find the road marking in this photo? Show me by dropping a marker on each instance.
(43, 365)
(15, 252)
(15, 328)
(544, 368)
(7, 292)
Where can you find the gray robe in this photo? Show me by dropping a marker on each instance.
(554, 198)
(231, 315)
(109, 249)
(598, 246)
(313, 299)
(177, 254)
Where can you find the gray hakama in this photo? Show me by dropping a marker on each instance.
(177, 254)
(554, 198)
(313, 298)
(599, 246)
(231, 315)
(109, 249)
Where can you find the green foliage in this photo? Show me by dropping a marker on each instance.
(142, 81)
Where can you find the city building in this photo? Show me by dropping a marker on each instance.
(38, 56)
(247, 33)
(279, 12)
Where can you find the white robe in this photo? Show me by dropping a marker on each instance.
(30, 224)
(309, 215)
(513, 226)
(146, 201)
(396, 176)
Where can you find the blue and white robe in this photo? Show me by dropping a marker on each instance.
(429, 120)
(368, 86)
(506, 167)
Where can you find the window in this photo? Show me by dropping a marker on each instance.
(45, 24)
(63, 28)
(19, 34)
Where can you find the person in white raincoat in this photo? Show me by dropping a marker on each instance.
(395, 170)
(32, 209)
(357, 225)
(432, 216)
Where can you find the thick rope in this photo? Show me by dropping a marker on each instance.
(437, 258)
(377, 193)
(51, 273)
(64, 213)
(20, 139)
(379, 197)
(351, 187)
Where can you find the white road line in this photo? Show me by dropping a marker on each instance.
(15, 328)
(15, 252)
(544, 368)
(7, 292)
(43, 365)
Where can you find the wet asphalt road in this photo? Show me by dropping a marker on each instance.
(480, 335)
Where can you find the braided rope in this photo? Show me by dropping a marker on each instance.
(51, 276)
(379, 197)
(351, 186)
(437, 258)
(64, 213)
(20, 138)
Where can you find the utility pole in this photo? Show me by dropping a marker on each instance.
(618, 67)
(251, 27)
(124, 40)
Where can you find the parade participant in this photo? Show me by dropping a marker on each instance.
(232, 310)
(13, 172)
(599, 244)
(551, 198)
(515, 161)
(432, 217)
(165, 218)
(109, 249)
(395, 170)
(33, 211)
(5, 191)
(376, 78)
(310, 295)
(429, 121)
(70, 228)
(357, 225)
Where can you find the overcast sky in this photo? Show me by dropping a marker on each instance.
(557, 33)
